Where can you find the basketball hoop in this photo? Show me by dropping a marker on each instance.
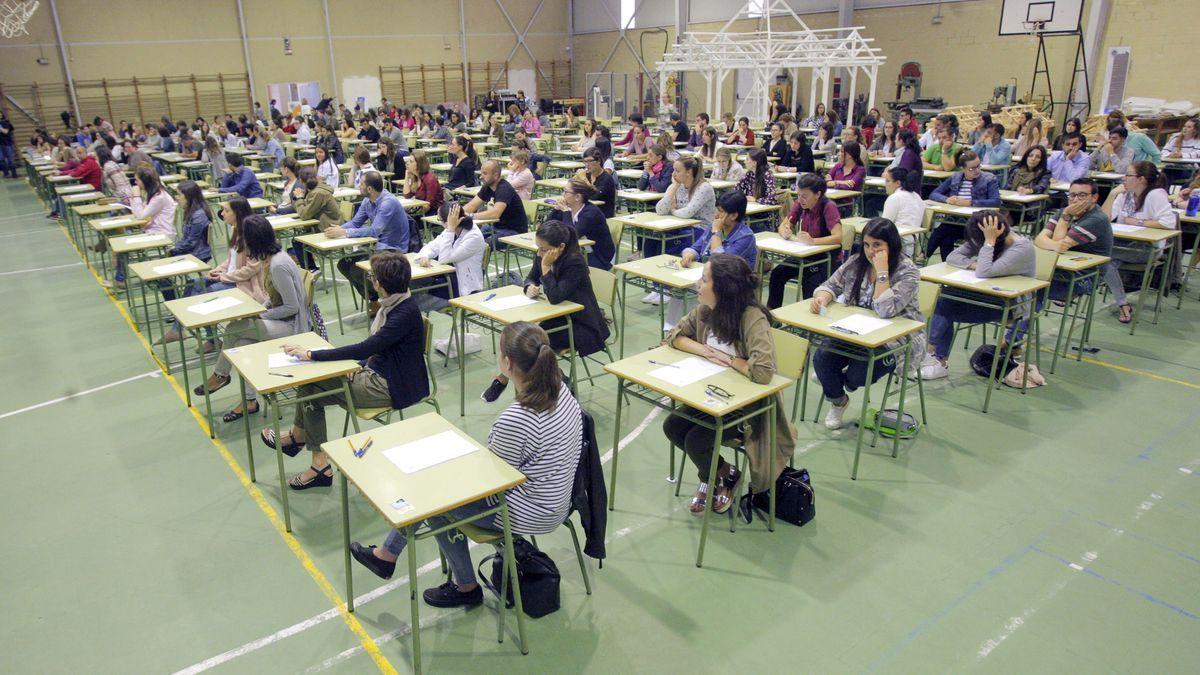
(14, 14)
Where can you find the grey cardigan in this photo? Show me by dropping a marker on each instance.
(286, 299)
(1018, 259)
(901, 299)
(701, 205)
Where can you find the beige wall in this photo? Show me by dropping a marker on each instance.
(963, 58)
(152, 38)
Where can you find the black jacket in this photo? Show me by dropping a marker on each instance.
(592, 224)
(606, 191)
(801, 161)
(589, 496)
(778, 149)
(570, 280)
(395, 351)
(395, 165)
(462, 174)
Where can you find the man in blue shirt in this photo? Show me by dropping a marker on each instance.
(1071, 163)
(240, 179)
(992, 148)
(388, 223)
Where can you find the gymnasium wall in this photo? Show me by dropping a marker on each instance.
(119, 39)
(962, 58)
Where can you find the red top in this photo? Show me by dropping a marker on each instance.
(429, 190)
(912, 126)
(88, 171)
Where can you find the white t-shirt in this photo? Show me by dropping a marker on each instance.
(1156, 207)
(720, 346)
(904, 208)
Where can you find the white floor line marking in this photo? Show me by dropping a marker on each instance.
(360, 600)
(344, 318)
(40, 230)
(40, 269)
(22, 215)
(153, 373)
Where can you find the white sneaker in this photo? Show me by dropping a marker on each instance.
(934, 371)
(652, 298)
(929, 360)
(833, 418)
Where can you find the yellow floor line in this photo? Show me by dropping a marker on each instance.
(1132, 371)
(293, 544)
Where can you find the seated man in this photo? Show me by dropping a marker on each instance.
(969, 187)
(1082, 226)
(992, 148)
(380, 215)
(1114, 156)
(1071, 162)
(497, 199)
(240, 179)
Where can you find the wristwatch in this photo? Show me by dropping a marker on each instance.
(882, 277)
(1141, 222)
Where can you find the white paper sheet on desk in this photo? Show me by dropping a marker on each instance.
(792, 246)
(123, 220)
(282, 360)
(685, 372)
(430, 451)
(146, 238)
(963, 210)
(860, 324)
(508, 302)
(662, 222)
(215, 305)
(176, 267)
(1122, 227)
(964, 277)
(692, 273)
(275, 220)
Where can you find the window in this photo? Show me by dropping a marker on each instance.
(756, 8)
(628, 7)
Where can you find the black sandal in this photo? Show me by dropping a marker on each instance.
(322, 479)
(222, 382)
(291, 448)
(233, 415)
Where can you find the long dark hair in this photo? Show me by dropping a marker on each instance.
(735, 286)
(195, 200)
(909, 140)
(528, 348)
(558, 233)
(876, 228)
(975, 235)
(148, 178)
(259, 237)
(910, 181)
(759, 184)
(1154, 180)
(1042, 167)
(241, 211)
(468, 147)
(466, 221)
(103, 155)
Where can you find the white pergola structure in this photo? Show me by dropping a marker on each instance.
(767, 52)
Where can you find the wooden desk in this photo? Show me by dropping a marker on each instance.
(287, 227)
(524, 246)
(661, 274)
(1003, 293)
(564, 168)
(628, 178)
(548, 187)
(1151, 238)
(650, 225)
(1021, 205)
(763, 217)
(636, 201)
(328, 252)
(429, 492)
(77, 218)
(162, 273)
(419, 273)
(870, 348)
(1077, 269)
(193, 322)
(747, 400)
(72, 189)
(250, 362)
(471, 309)
(774, 248)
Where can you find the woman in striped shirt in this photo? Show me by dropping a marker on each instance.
(540, 434)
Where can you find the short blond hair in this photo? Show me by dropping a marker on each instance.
(521, 156)
(421, 162)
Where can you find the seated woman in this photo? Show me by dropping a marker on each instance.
(687, 196)
(519, 176)
(903, 206)
(1032, 175)
(992, 249)
(707, 150)
(195, 239)
(541, 433)
(814, 219)
(849, 173)
(561, 273)
(730, 328)
(293, 187)
(461, 244)
(149, 200)
(880, 278)
(728, 233)
(726, 166)
(1141, 202)
(758, 185)
(393, 371)
(420, 182)
(287, 309)
(575, 209)
(799, 156)
(826, 141)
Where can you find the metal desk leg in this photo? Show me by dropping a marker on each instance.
(187, 385)
(571, 347)
(612, 479)
(272, 407)
(413, 605)
(512, 571)
(346, 540)
(987, 399)
(712, 488)
(204, 383)
(462, 366)
(246, 426)
(1062, 325)
(903, 394)
(862, 415)
(1137, 314)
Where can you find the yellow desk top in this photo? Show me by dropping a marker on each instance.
(859, 224)
(1002, 287)
(291, 221)
(139, 242)
(465, 191)
(82, 198)
(1145, 235)
(629, 173)
(426, 493)
(771, 242)
(525, 241)
(639, 195)
(117, 223)
(97, 209)
(941, 207)
(72, 189)
(1073, 261)
(567, 164)
(153, 270)
(62, 179)
(1017, 197)
(349, 193)
(837, 194)
(251, 362)
(540, 310)
(320, 242)
(418, 272)
(757, 209)
(556, 183)
(637, 369)
(246, 307)
(799, 315)
(648, 220)
(663, 269)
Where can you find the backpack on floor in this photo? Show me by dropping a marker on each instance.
(981, 362)
(536, 573)
(795, 500)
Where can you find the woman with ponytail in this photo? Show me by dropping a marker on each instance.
(541, 434)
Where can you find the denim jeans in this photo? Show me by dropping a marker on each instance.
(840, 374)
(950, 311)
(454, 544)
(8, 161)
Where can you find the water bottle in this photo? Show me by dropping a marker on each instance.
(1193, 203)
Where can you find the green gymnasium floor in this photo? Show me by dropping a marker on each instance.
(1057, 532)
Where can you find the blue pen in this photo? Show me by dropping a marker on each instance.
(489, 297)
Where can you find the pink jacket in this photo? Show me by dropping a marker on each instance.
(532, 126)
(160, 210)
(247, 274)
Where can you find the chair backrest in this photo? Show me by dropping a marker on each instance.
(531, 208)
(791, 352)
(615, 229)
(487, 257)
(786, 201)
(604, 285)
(308, 279)
(927, 297)
(347, 210)
(1046, 260)
(848, 235)
(429, 353)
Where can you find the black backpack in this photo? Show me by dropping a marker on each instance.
(795, 501)
(981, 362)
(537, 574)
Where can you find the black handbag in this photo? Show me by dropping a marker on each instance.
(536, 573)
(795, 500)
(981, 362)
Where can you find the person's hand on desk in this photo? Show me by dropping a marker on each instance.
(785, 229)
(424, 262)
(820, 300)
(533, 291)
(1064, 245)
(718, 357)
(1024, 190)
(297, 351)
(687, 258)
(335, 232)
